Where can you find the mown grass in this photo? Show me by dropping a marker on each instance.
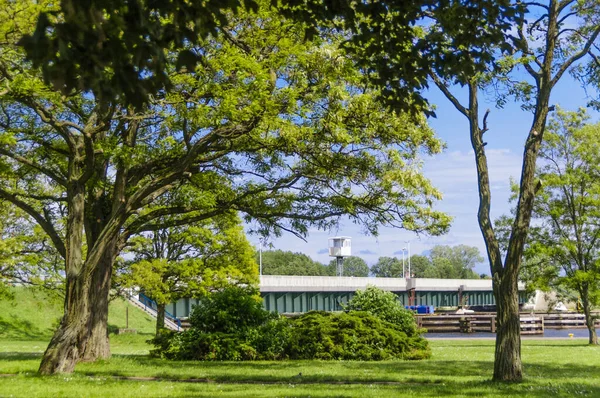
(558, 368)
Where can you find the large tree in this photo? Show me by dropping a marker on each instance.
(453, 262)
(445, 262)
(552, 38)
(419, 264)
(283, 130)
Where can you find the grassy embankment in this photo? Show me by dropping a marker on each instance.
(558, 368)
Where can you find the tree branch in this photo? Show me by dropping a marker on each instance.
(534, 3)
(41, 220)
(485, 125)
(61, 127)
(23, 160)
(523, 41)
(449, 95)
(585, 50)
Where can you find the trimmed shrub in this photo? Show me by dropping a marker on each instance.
(352, 336)
(385, 306)
(271, 340)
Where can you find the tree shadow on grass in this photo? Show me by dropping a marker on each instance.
(19, 356)
(270, 371)
(17, 328)
(439, 378)
(407, 372)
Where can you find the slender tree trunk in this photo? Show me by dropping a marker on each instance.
(507, 364)
(160, 318)
(589, 319)
(507, 361)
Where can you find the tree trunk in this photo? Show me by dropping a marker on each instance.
(160, 318)
(507, 361)
(589, 319)
(64, 349)
(82, 332)
(95, 344)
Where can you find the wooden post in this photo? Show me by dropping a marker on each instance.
(465, 325)
(493, 324)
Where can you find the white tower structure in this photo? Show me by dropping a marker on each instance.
(340, 247)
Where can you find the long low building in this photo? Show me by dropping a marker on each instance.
(296, 294)
(290, 294)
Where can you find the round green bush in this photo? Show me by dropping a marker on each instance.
(385, 306)
(234, 309)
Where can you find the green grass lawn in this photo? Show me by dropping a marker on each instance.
(557, 368)
(33, 315)
(458, 368)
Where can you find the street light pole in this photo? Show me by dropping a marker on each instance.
(260, 259)
(403, 267)
(408, 243)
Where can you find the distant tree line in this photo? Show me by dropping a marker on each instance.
(279, 262)
(445, 262)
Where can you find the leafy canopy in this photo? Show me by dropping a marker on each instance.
(121, 48)
(284, 130)
(389, 267)
(445, 262)
(563, 246)
(353, 266)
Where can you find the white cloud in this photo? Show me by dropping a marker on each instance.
(458, 168)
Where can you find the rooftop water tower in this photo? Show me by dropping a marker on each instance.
(339, 247)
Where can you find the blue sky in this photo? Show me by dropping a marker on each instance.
(453, 172)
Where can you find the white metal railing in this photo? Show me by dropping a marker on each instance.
(169, 324)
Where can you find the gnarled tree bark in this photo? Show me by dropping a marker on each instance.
(96, 345)
(64, 348)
